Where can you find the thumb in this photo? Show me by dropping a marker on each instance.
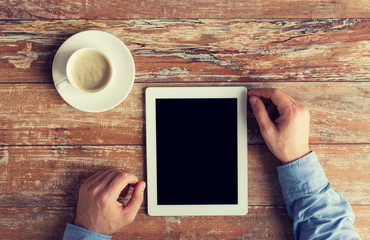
(136, 200)
(260, 112)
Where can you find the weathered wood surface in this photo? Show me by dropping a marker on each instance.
(199, 50)
(260, 223)
(87, 9)
(49, 176)
(34, 114)
(47, 147)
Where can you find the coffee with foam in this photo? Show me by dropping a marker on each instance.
(90, 70)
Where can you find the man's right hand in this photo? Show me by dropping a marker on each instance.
(284, 124)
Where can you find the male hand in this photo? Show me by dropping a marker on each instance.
(98, 209)
(284, 124)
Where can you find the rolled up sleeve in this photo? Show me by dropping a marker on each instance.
(74, 232)
(317, 210)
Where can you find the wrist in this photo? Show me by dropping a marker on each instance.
(91, 228)
(74, 231)
(77, 222)
(295, 156)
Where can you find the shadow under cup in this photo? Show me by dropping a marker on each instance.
(89, 70)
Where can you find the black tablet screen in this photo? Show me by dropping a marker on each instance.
(196, 151)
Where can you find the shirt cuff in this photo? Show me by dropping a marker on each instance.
(74, 232)
(301, 177)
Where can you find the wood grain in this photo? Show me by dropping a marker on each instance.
(50, 176)
(315, 50)
(35, 114)
(203, 50)
(260, 223)
(87, 9)
(47, 148)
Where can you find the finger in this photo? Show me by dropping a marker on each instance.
(101, 176)
(120, 181)
(110, 177)
(136, 200)
(92, 179)
(95, 175)
(261, 114)
(101, 181)
(278, 97)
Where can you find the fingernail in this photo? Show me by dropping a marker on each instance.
(143, 187)
(252, 100)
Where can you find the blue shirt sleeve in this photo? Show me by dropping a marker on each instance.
(74, 232)
(317, 210)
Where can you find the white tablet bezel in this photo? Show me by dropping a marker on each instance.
(153, 93)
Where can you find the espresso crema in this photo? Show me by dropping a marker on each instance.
(90, 70)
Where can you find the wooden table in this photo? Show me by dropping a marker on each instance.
(317, 51)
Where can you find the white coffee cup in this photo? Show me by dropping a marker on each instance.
(88, 70)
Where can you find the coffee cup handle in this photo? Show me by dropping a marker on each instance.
(62, 84)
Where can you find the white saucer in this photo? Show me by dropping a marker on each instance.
(122, 64)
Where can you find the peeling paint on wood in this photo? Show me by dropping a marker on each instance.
(260, 223)
(339, 113)
(67, 9)
(199, 50)
(4, 156)
(4, 161)
(25, 60)
(51, 175)
(322, 63)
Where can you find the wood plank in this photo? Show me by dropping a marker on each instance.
(68, 9)
(34, 114)
(199, 50)
(260, 223)
(47, 223)
(50, 176)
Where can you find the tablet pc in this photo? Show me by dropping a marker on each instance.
(196, 151)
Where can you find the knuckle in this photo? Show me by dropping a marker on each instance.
(92, 190)
(294, 109)
(123, 175)
(85, 182)
(83, 185)
(302, 111)
(305, 110)
(259, 113)
(103, 198)
(276, 91)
